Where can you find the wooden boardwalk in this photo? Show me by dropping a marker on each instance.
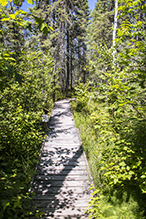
(62, 185)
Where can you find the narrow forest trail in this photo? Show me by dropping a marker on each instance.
(62, 185)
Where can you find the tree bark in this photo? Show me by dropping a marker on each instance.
(67, 77)
(71, 65)
(115, 29)
(54, 84)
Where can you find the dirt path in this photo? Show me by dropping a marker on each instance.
(62, 186)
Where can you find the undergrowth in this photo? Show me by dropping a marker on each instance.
(60, 95)
(114, 143)
(21, 135)
(117, 202)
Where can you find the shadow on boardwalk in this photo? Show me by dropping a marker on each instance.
(61, 184)
(48, 187)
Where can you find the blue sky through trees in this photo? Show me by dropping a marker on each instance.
(91, 5)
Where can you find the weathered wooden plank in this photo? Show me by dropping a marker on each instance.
(67, 212)
(64, 161)
(62, 185)
(63, 145)
(63, 197)
(62, 148)
(63, 190)
(62, 167)
(71, 153)
(59, 203)
(61, 153)
(59, 177)
(62, 172)
(67, 170)
(61, 217)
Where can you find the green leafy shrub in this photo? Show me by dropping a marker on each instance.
(114, 163)
(82, 93)
(22, 134)
(110, 207)
(113, 136)
(20, 144)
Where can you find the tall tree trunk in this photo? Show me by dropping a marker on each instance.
(1, 35)
(62, 46)
(54, 57)
(84, 56)
(71, 65)
(115, 29)
(79, 58)
(67, 77)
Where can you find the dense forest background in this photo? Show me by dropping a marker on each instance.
(60, 49)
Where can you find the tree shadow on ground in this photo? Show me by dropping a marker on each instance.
(51, 184)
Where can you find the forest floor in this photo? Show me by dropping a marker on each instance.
(62, 183)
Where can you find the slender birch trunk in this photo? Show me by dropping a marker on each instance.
(54, 84)
(115, 29)
(67, 77)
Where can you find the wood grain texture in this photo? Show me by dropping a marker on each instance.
(62, 183)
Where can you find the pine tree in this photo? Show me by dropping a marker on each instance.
(100, 30)
(69, 20)
(81, 23)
